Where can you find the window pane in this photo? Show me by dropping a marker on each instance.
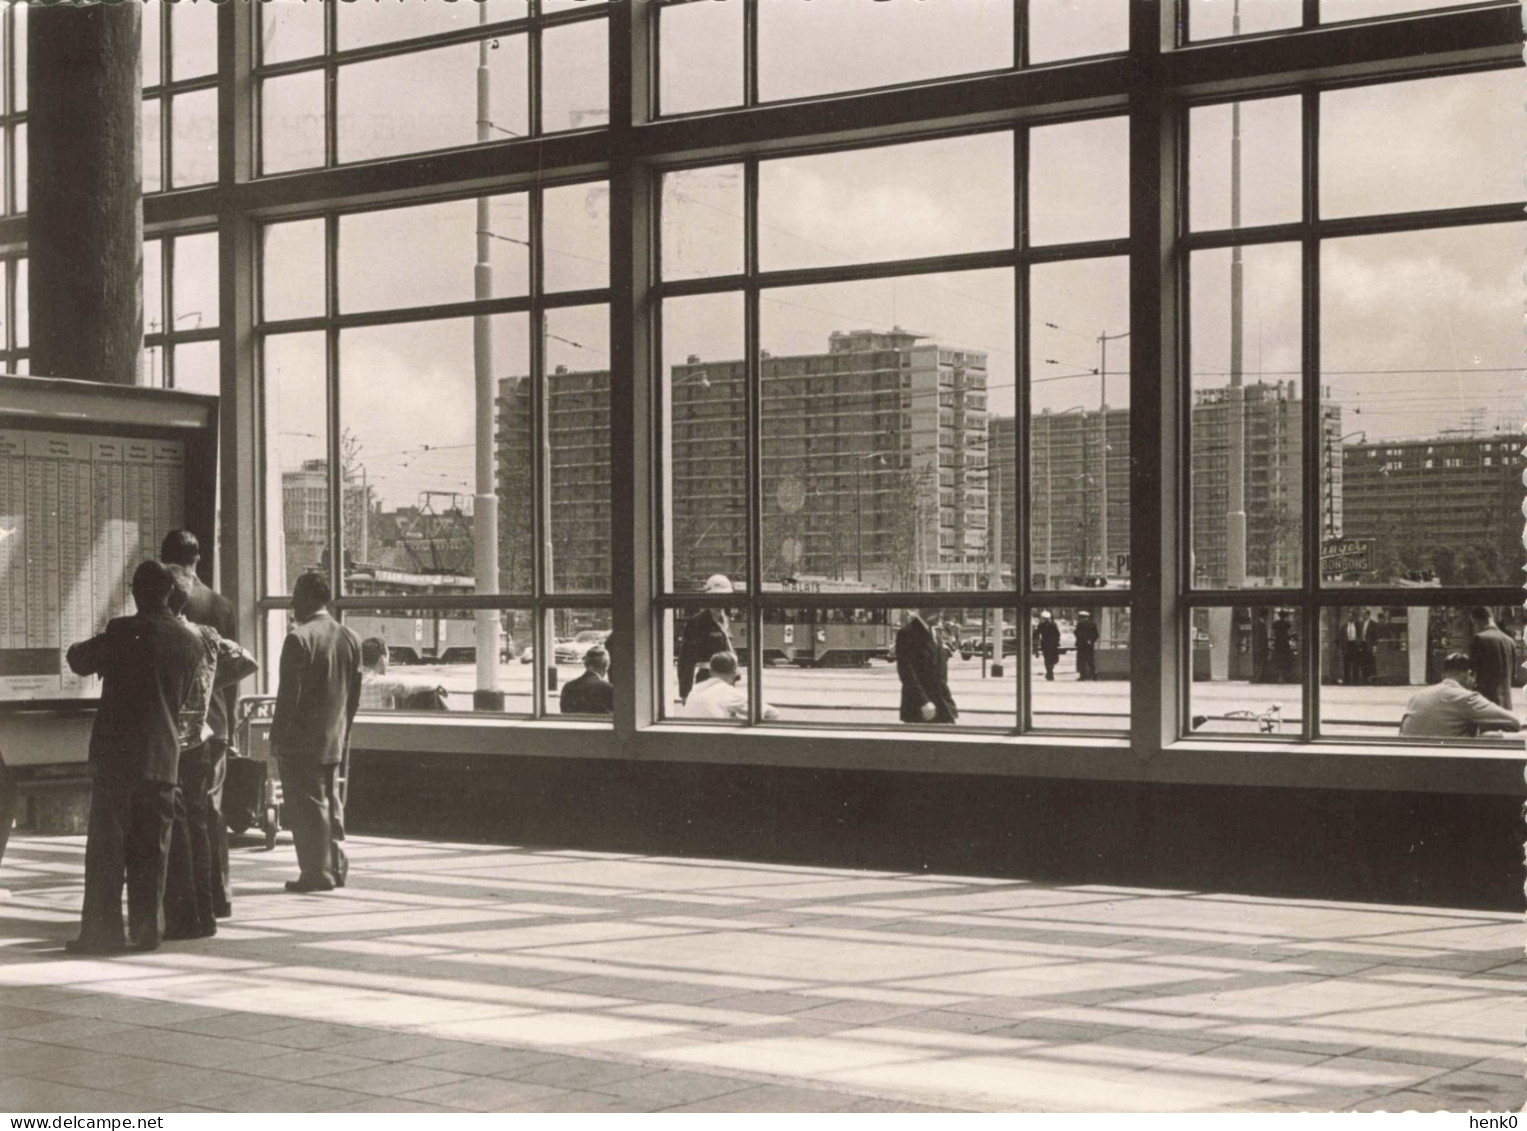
(1079, 181)
(291, 29)
(21, 167)
(368, 121)
(1379, 666)
(291, 122)
(578, 439)
(577, 230)
(194, 120)
(894, 202)
(694, 635)
(702, 222)
(840, 666)
(23, 299)
(1421, 358)
(153, 154)
(701, 51)
(153, 286)
(1271, 143)
(808, 47)
(514, 455)
(1333, 11)
(425, 659)
(19, 12)
(575, 77)
(1216, 19)
(1079, 434)
(1079, 671)
(576, 632)
(363, 24)
(552, 7)
(875, 441)
(704, 465)
(152, 32)
(1072, 29)
(193, 39)
(196, 283)
(196, 368)
(1430, 143)
(424, 255)
(409, 407)
(1248, 412)
(296, 458)
(292, 279)
(1247, 666)
(153, 366)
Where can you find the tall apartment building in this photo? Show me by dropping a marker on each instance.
(1274, 429)
(1071, 452)
(873, 461)
(578, 466)
(1450, 504)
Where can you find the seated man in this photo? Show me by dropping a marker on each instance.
(590, 693)
(379, 693)
(719, 697)
(1452, 708)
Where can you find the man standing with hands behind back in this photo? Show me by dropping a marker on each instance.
(319, 692)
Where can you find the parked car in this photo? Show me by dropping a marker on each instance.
(572, 651)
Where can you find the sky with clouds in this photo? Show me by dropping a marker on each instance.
(1417, 328)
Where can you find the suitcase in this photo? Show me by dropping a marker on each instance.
(252, 790)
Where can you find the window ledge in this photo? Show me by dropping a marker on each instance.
(1428, 769)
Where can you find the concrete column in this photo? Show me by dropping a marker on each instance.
(85, 181)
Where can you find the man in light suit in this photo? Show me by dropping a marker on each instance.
(315, 704)
(1452, 708)
(922, 663)
(149, 665)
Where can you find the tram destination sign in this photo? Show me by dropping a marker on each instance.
(1339, 556)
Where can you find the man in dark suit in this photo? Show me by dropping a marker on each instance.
(181, 551)
(319, 692)
(922, 663)
(1493, 657)
(1086, 636)
(590, 693)
(149, 664)
(1047, 642)
(704, 635)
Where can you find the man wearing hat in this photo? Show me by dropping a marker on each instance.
(1086, 646)
(1047, 642)
(703, 636)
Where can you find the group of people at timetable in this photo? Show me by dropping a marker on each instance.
(160, 743)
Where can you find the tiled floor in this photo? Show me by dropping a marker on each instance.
(480, 978)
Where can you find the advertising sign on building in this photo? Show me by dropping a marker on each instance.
(1340, 556)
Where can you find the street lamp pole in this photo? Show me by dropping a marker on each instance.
(1103, 340)
(487, 697)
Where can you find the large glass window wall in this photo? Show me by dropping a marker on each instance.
(885, 358)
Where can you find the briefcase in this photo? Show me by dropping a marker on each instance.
(244, 793)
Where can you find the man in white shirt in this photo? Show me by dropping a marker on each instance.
(719, 697)
(1452, 708)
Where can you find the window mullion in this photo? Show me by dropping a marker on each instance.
(1313, 484)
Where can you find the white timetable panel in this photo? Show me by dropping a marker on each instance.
(77, 515)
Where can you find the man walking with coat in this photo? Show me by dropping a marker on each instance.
(1492, 654)
(1047, 642)
(149, 664)
(922, 663)
(315, 703)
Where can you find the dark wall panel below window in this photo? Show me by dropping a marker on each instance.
(1429, 850)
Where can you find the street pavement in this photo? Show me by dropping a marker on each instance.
(871, 696)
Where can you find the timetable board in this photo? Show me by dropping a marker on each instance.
(78, 512)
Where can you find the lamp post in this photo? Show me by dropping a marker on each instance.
(1103, 340)
(487, 696)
